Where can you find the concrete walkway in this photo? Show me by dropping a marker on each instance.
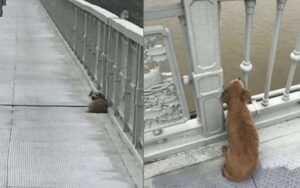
(46, 137)
(279, 163)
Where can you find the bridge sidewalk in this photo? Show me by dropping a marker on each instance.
(46, 137)
(279, 163)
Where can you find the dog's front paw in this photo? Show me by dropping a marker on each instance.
(224, 149)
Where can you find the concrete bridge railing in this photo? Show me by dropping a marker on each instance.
(206, 76)
(111, 51)
(2, 3)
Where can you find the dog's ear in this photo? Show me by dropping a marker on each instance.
(225, 98)
(245, 96)
(91, 93)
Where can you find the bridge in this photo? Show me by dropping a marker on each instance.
(52, 54)
(183, 149)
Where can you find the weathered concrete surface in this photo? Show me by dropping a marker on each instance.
(45, 73)
(46, 140)
(5, 130)
(62, 147)
(8, 38)
(279, 163)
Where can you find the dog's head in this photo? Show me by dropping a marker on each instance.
(96, 95)
(235, 89)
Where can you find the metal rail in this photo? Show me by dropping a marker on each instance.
(246, 65)
(295, 59)
(279, 15)
(111, 51)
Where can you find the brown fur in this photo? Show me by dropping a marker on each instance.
(98, 104)
(241, 156)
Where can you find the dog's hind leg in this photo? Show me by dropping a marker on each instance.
(227, 175)
(224, 169)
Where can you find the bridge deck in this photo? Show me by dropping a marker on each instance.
(46, 137)
(279, 163)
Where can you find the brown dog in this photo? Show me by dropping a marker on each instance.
(241, 156)
(98, 104)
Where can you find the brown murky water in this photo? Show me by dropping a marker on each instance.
(232, 38)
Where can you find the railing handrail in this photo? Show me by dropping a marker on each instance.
(127, 28)
(169, 10)
(97, 11)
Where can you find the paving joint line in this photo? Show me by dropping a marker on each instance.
(43, 105)
(13, 98)
(252, 177)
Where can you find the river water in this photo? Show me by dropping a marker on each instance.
(134, 7)
(232, 38)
